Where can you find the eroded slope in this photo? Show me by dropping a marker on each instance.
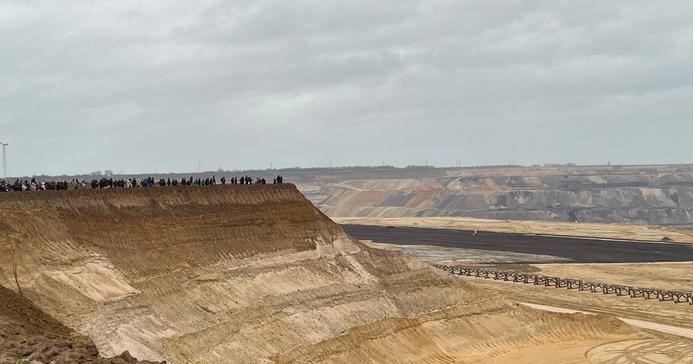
(621, 194)
(28, 335)
(250, 274)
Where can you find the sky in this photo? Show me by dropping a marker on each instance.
(159, 86)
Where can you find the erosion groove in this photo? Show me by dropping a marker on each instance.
(255, 274)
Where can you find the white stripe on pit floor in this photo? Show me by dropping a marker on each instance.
(666, 329)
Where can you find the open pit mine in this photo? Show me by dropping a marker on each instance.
(257, 274)
(655, 194)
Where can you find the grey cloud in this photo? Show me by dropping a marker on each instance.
(159, 85)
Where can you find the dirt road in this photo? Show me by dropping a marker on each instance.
(576, 250)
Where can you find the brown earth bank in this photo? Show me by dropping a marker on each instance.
(256, 274)
(28, 335)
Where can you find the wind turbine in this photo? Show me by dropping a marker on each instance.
(4, 159)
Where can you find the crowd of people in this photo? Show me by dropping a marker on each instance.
(104, 183)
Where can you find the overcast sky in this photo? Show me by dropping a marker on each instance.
(152, 85)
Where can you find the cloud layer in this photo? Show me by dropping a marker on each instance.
(145, 86)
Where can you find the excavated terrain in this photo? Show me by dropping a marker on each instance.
(661, 194)
(642, 194)
(256, 274)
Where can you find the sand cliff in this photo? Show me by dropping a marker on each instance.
(256, 274)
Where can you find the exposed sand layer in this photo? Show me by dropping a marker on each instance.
(667, 329)
(669, 276)
(485, 334)
(28, 335)
(623, 194)
(587, 230)
(668, 313)
(256, 274)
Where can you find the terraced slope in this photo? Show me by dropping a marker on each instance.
(255, 274)
(618, 194)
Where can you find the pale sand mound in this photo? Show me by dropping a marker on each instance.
(475, 333)
(255, 274)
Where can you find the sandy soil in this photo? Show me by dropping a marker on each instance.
(639, 351)
(28, 335)
(670, 276)
(668, 313)
(591, 230)
(666, 329)
(511, 334)
(673, 276)
(256, 274)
